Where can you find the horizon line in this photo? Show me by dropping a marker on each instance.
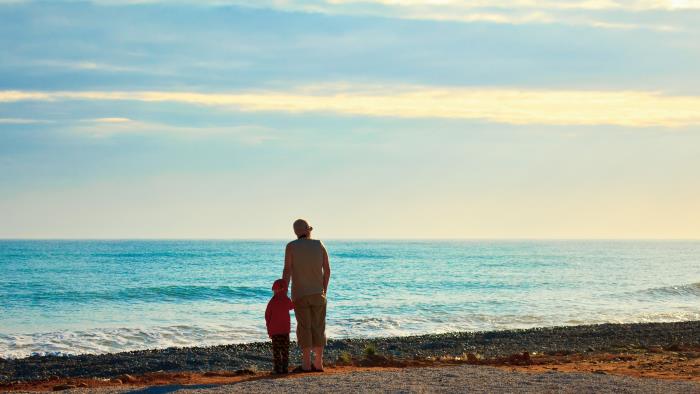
(351, 239)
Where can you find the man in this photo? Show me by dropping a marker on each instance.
(306, 262)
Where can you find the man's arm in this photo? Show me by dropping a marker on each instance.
(326, 270)
(287, 272)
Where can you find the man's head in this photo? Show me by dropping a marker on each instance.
(302, 228)
(280, 286)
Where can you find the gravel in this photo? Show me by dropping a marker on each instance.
(458, 379)
(465, 378)
(574, 339)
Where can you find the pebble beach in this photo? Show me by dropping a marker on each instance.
(254, 358)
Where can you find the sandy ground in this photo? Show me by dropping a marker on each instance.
(654, 370)
(447, 379)
(465, 378)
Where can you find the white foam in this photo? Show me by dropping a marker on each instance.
(110, 340)
(98, 341)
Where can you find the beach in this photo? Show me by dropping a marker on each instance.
(650, 357)
(449, 379)
(490, 316)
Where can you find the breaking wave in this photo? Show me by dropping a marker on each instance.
(692, 289)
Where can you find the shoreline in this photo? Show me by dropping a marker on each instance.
(549, 341)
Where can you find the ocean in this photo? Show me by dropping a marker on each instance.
(73, 297)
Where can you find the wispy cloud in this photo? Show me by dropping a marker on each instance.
(594, 13)
(510, 106)
(110, 120)
(21, 121)
(607, 14)
(85, 65)
(632, 5)
(635, 5)
(108, 127)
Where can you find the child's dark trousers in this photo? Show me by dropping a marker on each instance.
(280, 353)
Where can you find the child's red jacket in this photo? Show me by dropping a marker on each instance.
(277, 315)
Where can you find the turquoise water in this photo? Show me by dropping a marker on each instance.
(105, 296)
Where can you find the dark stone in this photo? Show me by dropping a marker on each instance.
(245, 372)
(62, 387)
(126, 378)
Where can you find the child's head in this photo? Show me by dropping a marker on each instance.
(280, 286)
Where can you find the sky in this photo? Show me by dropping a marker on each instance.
(372, 119)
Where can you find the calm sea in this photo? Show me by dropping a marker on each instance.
(71, 297)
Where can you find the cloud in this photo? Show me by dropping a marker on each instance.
(510, 106)
(108, 127)
(633, 5)
(21, 121)
(110, 120)
(630, 5)
(84, 66)
(608, 14)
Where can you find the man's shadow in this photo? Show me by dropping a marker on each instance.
(171, 388)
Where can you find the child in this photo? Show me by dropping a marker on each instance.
(278, 325)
